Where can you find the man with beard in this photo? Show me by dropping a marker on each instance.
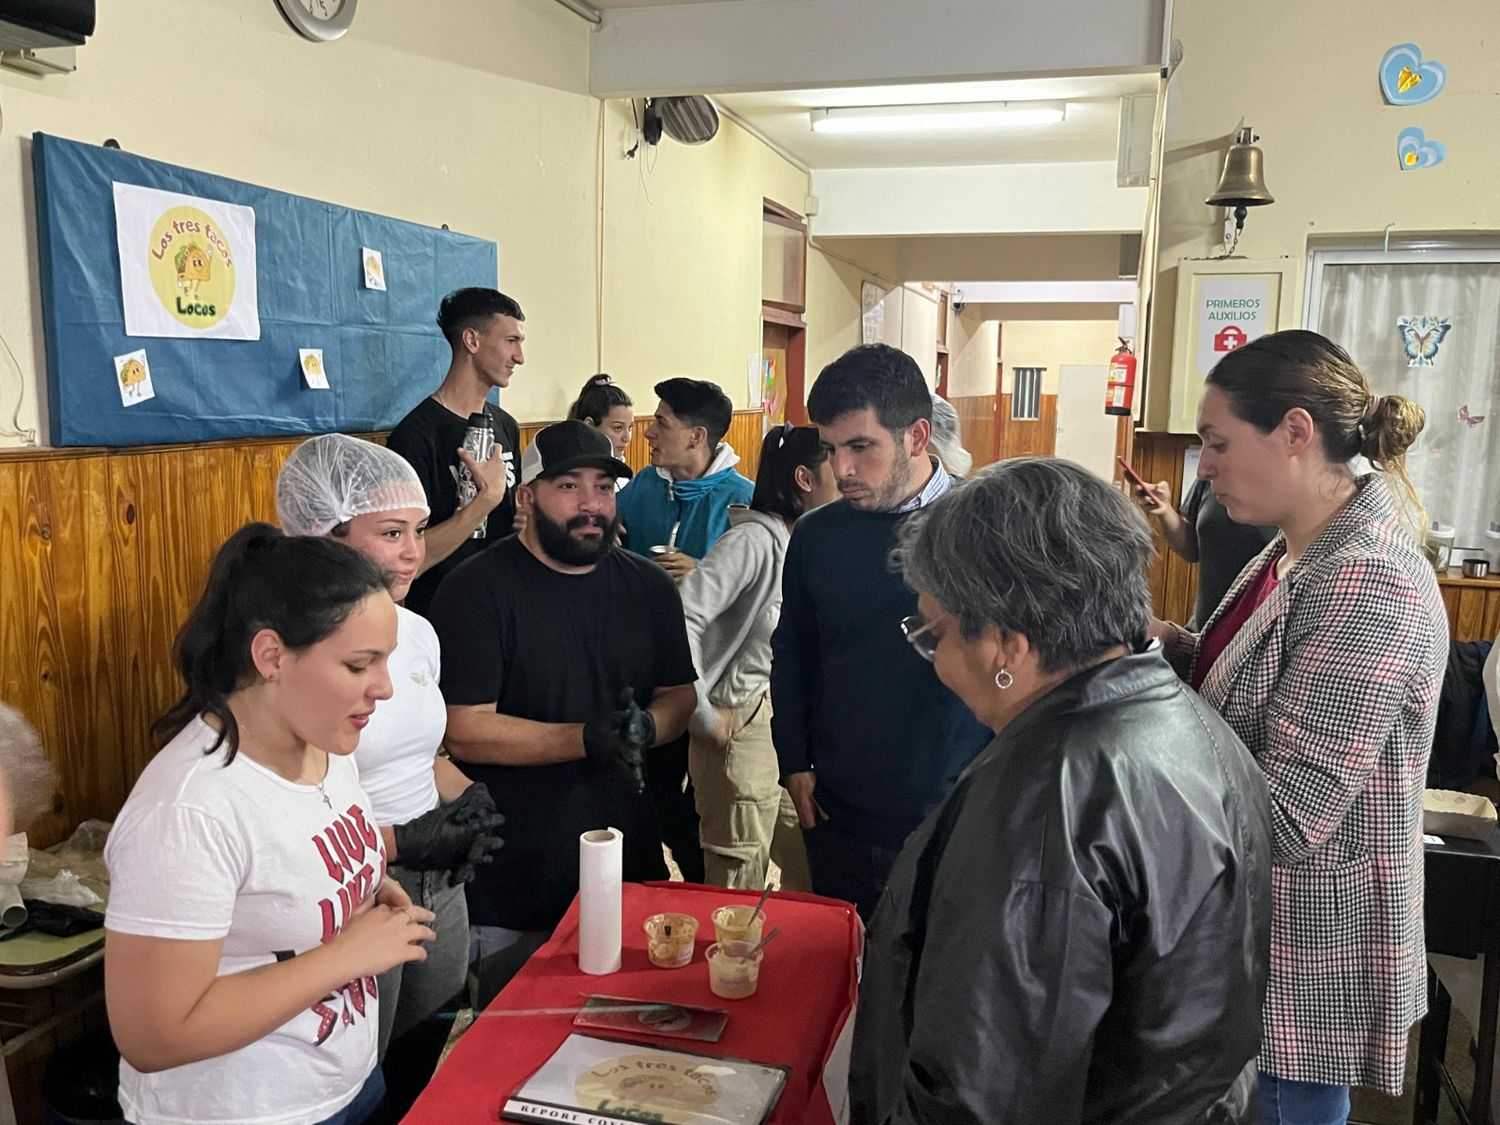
(565, 658)
(869, 741)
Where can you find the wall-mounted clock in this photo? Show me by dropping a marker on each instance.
(322, 21)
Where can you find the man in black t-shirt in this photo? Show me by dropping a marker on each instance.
(483, 327)
(564, 657)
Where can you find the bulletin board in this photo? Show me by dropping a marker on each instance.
(381, 349)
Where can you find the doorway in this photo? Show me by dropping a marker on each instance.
(1085, 434)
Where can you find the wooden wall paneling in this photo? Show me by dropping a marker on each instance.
(1029, 438)
(134, 581)
(976, 426)
(1451, 596)
(15, 604)
(1490, 629)
(1473, 606)
(44, 655)
(746, 434)
(1174, 581)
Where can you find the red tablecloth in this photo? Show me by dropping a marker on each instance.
(797, 1018)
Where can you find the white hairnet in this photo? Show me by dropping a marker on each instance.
(329, 480)
(946, 442)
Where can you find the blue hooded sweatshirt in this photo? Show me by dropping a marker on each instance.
(652, 502)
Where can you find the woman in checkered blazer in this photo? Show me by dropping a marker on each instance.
(1326, 657)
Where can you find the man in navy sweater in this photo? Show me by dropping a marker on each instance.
(869, 741)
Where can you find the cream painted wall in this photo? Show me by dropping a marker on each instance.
(415, 118)
(972, 343)
(682, 258)
(1052, 343)
(1329, 138)
(919, 329)
(835, 273)
(511, 148)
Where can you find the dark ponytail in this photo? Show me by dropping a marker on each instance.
(599, 396)
(782, 452)
(301, 587)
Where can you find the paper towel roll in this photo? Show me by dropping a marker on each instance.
(600, 858)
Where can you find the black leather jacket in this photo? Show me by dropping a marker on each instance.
(1080, 933)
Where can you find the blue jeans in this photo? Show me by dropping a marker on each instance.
(1285, 1102)
(843, 867)
(365, 1102)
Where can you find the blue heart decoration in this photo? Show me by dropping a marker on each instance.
(1415, 151)
(1406, 80)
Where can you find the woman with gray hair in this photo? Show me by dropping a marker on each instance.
(1079, 932)
(947, 441)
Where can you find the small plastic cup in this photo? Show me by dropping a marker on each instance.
(669, 939)
(738, 923)
(734, 969)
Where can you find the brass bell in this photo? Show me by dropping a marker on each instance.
(1242, 183)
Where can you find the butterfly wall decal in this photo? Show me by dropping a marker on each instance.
(1421, 336)
(1470, 420)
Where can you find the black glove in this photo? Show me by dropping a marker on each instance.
(618, 737)
(474, 807)
(475, 810)
(439, 841)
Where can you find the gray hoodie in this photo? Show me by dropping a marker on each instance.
(733, 601)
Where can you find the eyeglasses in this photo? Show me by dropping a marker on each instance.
(919, 635)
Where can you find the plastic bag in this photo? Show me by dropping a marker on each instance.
(81, 859)
(64, 888)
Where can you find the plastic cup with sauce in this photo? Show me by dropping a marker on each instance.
(738, 923)
(669, 939)
(734, 969)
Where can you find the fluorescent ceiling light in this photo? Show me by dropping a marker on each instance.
(930, 118)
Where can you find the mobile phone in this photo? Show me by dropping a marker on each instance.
(1134, 477)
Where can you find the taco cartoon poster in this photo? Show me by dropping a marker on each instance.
(187, 265)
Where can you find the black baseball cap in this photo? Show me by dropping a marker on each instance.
(565, 446)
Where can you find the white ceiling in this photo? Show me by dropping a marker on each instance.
(1089, 133)
(611, 5)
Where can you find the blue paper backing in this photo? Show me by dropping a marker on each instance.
(382, 350)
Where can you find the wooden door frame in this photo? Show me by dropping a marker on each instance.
(796, 358)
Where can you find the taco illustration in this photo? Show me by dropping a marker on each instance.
(194, 267)
(132, 375)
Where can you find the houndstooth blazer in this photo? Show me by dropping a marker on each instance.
(1333, 685)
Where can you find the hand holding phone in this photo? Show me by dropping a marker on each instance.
(1133, 477)
(1155, 498)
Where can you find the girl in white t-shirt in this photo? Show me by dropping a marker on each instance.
(436, 823)
(249, 910)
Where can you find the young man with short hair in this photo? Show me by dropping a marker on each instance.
(483, 330)
(693, 481)
(683, 501)
(565, 661)
(869, 741)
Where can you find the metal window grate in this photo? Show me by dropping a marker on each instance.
(1026, 394)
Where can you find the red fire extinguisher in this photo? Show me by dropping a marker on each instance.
(1119, 397)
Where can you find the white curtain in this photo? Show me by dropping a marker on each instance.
(1454, 465)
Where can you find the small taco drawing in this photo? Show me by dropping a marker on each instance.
(194, 267)
(132, 375)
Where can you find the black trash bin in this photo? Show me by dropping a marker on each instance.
(81, 1082)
